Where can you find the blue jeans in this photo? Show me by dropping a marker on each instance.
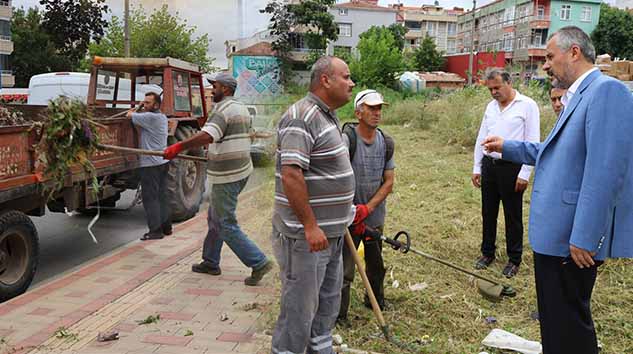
(223, 228)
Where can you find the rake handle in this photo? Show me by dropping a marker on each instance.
(363, 275)
(148, 152)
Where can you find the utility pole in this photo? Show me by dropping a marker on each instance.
(472, 46)
(126, 20)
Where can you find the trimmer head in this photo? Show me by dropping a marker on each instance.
(494, 292)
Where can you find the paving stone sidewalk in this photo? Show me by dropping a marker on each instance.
(198, 313)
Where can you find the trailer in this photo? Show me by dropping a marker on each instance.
(23, 185)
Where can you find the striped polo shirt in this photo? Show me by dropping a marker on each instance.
(230, 153)
(309, 136)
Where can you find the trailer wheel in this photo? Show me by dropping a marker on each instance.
(19, 253)
(186, 180)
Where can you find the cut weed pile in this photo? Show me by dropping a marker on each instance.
(434, 201)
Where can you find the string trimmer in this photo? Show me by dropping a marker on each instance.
(489, 288)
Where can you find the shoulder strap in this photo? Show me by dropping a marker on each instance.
(350, 131)
(389, 146)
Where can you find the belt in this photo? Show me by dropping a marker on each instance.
(498, 161)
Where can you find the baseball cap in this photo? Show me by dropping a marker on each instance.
(368, 97)
(225, 79)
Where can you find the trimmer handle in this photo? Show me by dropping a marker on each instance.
(403, 247)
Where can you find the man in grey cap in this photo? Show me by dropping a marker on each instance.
(227, 133)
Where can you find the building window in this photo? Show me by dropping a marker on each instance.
(585, 15)
(450, 46)
(565, 12)
(508, 39)
(414, 25)
(345, 29)
(452, 29)
(430, 28)
(540, 12)
(342, 12)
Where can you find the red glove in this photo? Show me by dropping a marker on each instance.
(362, 212)
(172, 151)
(358, 229)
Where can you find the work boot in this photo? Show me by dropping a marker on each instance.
(206, 267)
(483, 262)
(258, 274)
(510, 270)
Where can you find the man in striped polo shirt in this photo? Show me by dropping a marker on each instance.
(228, 169)
(314, 191)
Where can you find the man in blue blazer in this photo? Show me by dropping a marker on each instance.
(582, 201)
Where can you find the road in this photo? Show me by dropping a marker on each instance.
(65, 243)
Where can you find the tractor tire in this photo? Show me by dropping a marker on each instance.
(186, 181)
(19, 254)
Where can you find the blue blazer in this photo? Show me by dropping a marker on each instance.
(583, 181)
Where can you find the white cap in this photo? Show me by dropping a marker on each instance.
(368, 97)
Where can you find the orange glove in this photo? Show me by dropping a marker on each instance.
(362, 212)
(172, 151)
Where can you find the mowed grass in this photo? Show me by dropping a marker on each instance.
(435, 202)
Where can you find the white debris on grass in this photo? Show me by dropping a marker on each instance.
(498, 338)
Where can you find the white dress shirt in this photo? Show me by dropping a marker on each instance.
(571, 91)
(519, 120)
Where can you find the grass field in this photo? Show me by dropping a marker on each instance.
(435, 202)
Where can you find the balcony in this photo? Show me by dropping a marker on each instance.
(6, 11)
(6, 45)
(539, 22)
(8, 80)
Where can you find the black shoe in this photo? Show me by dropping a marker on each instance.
(343, 322)
(384, 305)
(205, 267)
(258, 274)
(152, 235)
(167, 230)
(510, 270)
(483, 262)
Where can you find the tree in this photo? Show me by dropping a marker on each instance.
(158, 35)
(379, 60)
(309, 19)
(33, 51)
(614, 32)
(427, 57)
(72, 25)
(398, 31)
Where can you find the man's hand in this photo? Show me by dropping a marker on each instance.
(172, 151)
(316, 239)
(476, 179)
(129, 113)
(362, 212)
(582, 258)
(493, 144)
(520, 185)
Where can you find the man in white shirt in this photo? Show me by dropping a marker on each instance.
(512, 116)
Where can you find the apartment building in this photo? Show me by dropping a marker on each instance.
(356, 17)
(6, 45)
(519, 28)
(430, 21)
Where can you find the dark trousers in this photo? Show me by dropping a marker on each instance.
(374, 266)
(155, 196)
(498, 180)
(564, 305)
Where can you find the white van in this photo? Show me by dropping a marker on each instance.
(45, 87)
